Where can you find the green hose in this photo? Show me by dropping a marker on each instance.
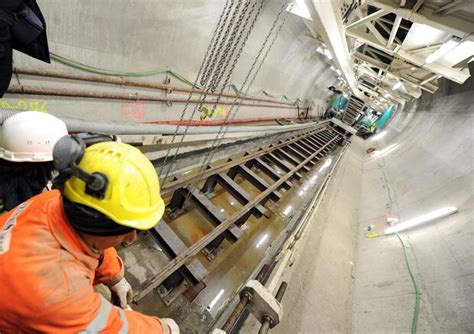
(416, 310)
(414, 321)
(72, 63)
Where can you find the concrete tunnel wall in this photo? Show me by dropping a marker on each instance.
(138, 36)
(429, 164)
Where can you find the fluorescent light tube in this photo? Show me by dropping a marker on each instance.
(397, 85)
(433, 215)
(445, 48)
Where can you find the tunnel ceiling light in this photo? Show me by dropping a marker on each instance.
(385, 151)
(328, 54)
(429, 217)
(397, 85)
(387, 95)
(216, 299)
(262, 240)
(379, 135)
(299, 8)
(445, 48)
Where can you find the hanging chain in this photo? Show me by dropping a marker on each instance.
(221, 63)
(205, 90)
(217, 32)
(225, 124)
(224, 61)
(217, 140)
(209, 64)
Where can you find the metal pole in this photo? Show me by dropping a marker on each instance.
(244, 300)
(267, 321)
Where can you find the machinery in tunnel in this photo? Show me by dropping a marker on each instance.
(288, 206)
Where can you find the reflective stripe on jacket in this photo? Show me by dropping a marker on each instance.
(47, 276)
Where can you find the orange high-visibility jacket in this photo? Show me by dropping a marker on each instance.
(47, 275)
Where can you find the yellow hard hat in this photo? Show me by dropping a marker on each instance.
(132, 195)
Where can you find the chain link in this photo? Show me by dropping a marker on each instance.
(217, 140)
(209, 66)
(225, 124)
(217, 30)
(205, 90)
(224, 61)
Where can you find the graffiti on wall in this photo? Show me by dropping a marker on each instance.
(206, 112)
(132, 109)
(24, 105)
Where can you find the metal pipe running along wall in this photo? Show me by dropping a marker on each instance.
(28, 90)
(168, 88)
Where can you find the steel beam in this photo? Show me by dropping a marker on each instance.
(195, 248)
(258, 182)
(213, 213)
(173, 246)
(264, 167)
(426, 15)
(371, 27)
(378, 64)
(282, 164)
(450, 7)
(366, 19)
(447, 72)
(394, 31)
(333, 32)
(211, 170)
(239, 193)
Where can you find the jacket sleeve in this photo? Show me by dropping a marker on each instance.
(92, 313)
(110, 267)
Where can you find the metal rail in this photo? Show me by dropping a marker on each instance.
(295, 160)
(181, 182)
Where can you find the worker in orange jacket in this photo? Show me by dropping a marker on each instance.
(55, 246)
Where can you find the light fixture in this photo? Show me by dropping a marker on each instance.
(328, 54)
(433, 215)
(387, 95)
(385, 151)
(397, 85)
(339, 72)
(445, 48)
(262, 240)
(379, 135)
(287, 210)
(326, 164)
(216, 299)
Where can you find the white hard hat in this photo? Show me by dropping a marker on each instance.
(30, 136)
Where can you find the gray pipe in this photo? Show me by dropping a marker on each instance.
(79, 125)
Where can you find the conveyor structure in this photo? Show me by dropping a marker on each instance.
(256, 179)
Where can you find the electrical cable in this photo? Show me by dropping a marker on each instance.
(416, 309)
(100, 71)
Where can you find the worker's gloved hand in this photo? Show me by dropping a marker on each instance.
(169, 326)
(123, 292)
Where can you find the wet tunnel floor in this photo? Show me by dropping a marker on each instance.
(235, 261)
